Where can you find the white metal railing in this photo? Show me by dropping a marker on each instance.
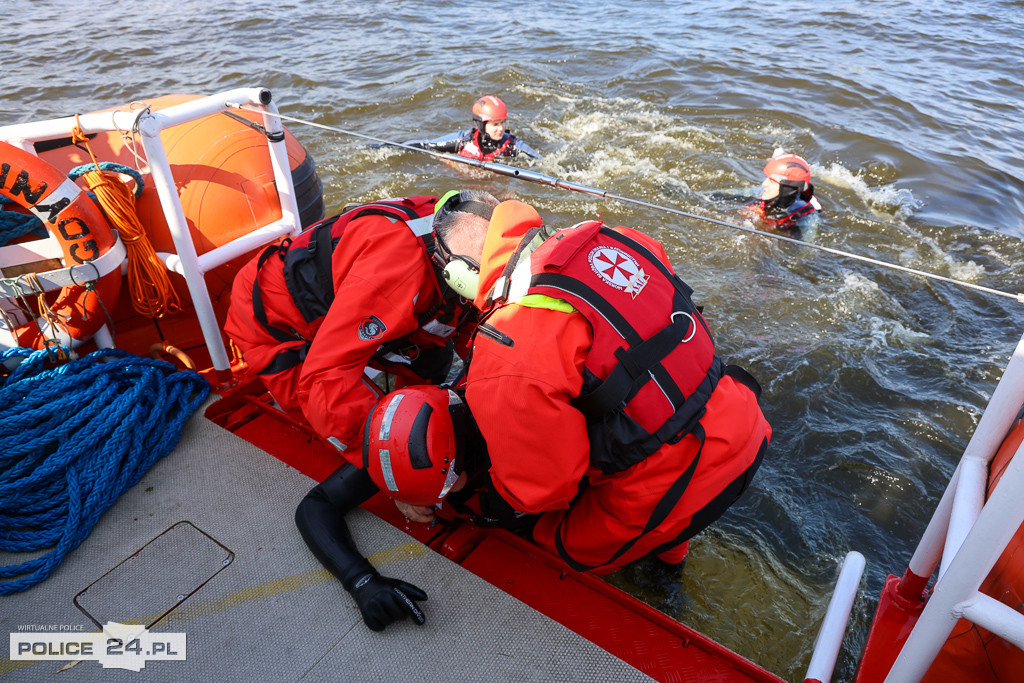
(969, 534)
(837, 615)
(149, 124)
(966, 532)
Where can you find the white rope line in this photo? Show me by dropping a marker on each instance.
(533, 176)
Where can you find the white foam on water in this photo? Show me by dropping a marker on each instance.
(584, 126)
(546, 94)
(969, 271)
(619, 121)
(928, 255)
(886, 198)
(664, 140)
(854, 294)
(605, 164)
(885, 333)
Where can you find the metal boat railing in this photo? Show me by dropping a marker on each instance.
(837, 616)
(186, 261)
(968, 534)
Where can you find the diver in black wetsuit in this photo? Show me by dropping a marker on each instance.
(420, 445)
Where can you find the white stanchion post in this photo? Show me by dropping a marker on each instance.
(282, 168)
(837, 616)
(103, 338)
(998, 522)
(992, 428)
(150, 126)
(929, 549)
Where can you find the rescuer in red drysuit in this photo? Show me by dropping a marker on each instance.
(611, 484)
(487, 141)
(363, 288)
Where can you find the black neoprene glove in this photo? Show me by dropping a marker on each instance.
(383, 600)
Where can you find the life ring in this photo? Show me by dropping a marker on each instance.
(91, 279)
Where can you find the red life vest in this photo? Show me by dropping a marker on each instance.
(307, 264)
(471, 149)
(789, 220)
(652, 365)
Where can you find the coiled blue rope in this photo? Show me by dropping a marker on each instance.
(73, 438)
(78, 171)
(14, 224)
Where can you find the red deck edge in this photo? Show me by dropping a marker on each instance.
(894, 620)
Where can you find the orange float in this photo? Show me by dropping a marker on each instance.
(222, 171)
(90, 249)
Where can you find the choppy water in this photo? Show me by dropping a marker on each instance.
(908, 112)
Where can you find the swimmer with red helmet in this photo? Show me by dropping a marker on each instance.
(787, 195)
(489, 140)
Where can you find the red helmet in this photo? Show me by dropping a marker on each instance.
(489, 108)
(789, 169)
(412, 446)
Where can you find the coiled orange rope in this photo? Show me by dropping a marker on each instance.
(152, 293)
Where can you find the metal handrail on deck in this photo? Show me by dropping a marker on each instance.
(968, 534)
(150, 124)
(837, 616)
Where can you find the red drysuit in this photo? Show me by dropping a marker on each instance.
(384, 289)
(528, 368)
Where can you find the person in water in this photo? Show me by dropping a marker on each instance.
(787, 195)
(371, 286)
(488, 140)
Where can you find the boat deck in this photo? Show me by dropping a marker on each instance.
(258, 606)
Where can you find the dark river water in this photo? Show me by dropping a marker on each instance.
(909, 114)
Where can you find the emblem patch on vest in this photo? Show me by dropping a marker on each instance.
(371, 328)
(618, 269)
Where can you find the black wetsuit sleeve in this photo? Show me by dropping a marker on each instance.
(321, 521)
(450, 147)
(497, 511)
(447, 146)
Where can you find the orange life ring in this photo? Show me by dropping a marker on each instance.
(972, 653)
(90, 248)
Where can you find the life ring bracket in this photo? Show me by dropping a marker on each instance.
(78, 274)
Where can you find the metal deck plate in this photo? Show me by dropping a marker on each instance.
(147, 585)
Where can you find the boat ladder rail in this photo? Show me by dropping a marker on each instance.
(968, 534)
(149, 124)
